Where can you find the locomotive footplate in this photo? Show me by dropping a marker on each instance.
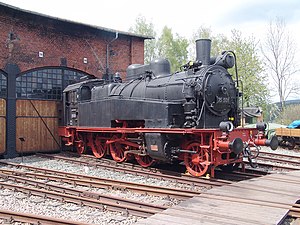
(201, 150)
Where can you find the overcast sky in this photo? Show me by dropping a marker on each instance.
(184, 17)
(251, 17)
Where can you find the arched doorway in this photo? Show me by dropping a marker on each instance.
(38, 106)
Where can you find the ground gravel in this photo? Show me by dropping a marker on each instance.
(281, 150)
(18, 201)
(62, 165)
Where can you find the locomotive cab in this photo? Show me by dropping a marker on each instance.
(70, 101)
(73, 96)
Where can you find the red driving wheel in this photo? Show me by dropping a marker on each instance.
(198, 163)
(117, 150)
(145, 160)
(80, 143)
(98, 147)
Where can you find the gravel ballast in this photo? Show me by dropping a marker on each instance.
(18, 201)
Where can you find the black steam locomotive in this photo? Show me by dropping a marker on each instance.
(156, 116)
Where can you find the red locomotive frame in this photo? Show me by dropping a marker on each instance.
(202, 150)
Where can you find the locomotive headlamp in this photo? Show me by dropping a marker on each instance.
(224, 90)
(226, 60)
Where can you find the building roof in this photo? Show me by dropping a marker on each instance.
(252, 111)
(16, 10)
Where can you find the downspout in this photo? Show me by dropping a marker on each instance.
(107, 52)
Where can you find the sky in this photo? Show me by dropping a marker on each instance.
(251, 17)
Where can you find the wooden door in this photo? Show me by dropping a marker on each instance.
(37, 122)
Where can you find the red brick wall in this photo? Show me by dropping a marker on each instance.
(57, 39)
(126, 52)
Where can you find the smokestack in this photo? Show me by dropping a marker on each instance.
(203, 51)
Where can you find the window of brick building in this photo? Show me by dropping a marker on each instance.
(46, 83)
(3, 86)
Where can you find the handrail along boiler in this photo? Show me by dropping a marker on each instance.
(155, 116)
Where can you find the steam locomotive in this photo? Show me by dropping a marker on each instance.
(155, 116)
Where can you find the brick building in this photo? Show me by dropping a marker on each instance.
(39, 56)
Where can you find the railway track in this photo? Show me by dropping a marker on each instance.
(138, 170)
(127, 207)
(103, 201)
(291, 163)
(180, 177)
(12, 217)
(223, 176)
(278, 161)
(278, 157)
(268, 162)
(97, 182)
(36, 182)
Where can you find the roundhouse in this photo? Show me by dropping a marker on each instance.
(39, 56)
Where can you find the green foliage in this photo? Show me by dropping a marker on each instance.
(271, 112)
(173, 48)
(142, 27)
(250, 67)
(166, 46)
(218, 44)
(250, 70)
(291, 113)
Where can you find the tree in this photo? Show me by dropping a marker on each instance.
(142, 27)
(290, 114)
(167, 46)
(250, 70)
(219, 42)
(250, 67)
(173, 48)
(279, 53)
